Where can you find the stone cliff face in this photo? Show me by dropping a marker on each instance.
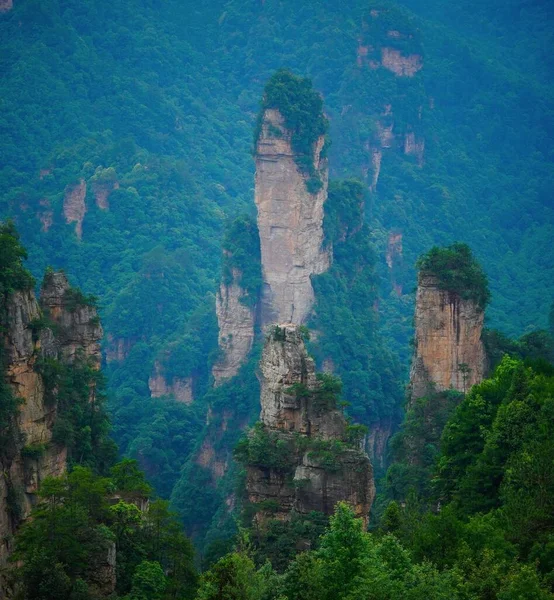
(290, 222)
(236, 329)
(74, 207)
(31, 455)
(78, 325)
(178, 387)
(449, 352)
(34, 422)
(294, 415)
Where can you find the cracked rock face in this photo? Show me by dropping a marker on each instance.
(309, 483)
(236, 329)
(449, 352)
(79, 326)
(77, 330)
(35, 419)
(290, 222)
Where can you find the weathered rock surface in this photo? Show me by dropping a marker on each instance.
(117, 349)
(236, 329)
(178, 387)
(77, 331)
(308, 483)
(74, 207)
(399, 64)
(290, 222)
(6, 5)
(449, 352)
(35, 419)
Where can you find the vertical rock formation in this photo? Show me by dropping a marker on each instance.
(290, 222)
(74, 207)
(103, 183)
(21, 470)
(31, 454)
(449, 352)
(393, 257)
(304, 461)
(178, 387)
(78, 325)
(236, 328)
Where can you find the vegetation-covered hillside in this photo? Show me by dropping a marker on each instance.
(133, 121)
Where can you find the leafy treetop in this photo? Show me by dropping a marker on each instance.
(302, 109)
(13, 275)
(457, 271)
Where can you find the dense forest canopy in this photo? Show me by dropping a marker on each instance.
(126, 160)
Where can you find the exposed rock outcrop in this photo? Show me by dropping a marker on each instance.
(45, 215)
(117, 349)
(236, 328)
(399, 64)
(178, 387)
(74, 207)
(394, 259)
(22, 474)
(290, 222)
(78, 325)
(321, 468)
(6, 5)
(449, 352)
(31, 455)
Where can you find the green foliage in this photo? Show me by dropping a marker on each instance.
(149, 581)
(61, 550)
(232, 578)
(33, 451)
(302, 110)
(241, 253)
(14, 276)
(415, 449)
(265, 448)
(456, 271)
(344, 312)
(74, 299)
(165, 98)
(82, 424)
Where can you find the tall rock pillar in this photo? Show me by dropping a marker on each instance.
(290, 222)
(301, 456)
(449, 352)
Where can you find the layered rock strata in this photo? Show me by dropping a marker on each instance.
(236, 328)
(449, 352)
(290, 222)
(31, 455)
(322, 468)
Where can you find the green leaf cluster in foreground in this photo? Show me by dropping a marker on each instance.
(83, 519)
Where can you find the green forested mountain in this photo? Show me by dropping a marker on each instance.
(154, 106)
